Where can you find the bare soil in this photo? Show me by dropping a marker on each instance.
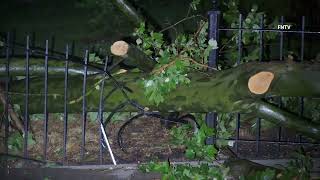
(144, 139)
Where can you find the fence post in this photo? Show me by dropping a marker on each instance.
(214, 33)
(211, 117)
(26, 100)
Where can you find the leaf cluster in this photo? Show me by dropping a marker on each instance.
(15, 142)
(174, 60)
(195, 143)
(250, 39)
(195, 149)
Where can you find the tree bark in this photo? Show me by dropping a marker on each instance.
(222, 91)
(134, 56)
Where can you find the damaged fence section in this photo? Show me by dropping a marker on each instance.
(83, 66)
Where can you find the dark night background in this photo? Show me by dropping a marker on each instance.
(67, 21)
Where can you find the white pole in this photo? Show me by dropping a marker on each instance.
(107, 142)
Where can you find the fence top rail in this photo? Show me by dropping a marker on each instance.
(269, 30)
(39, 52)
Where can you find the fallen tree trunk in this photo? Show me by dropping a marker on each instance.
(240, 89)
(223, 91)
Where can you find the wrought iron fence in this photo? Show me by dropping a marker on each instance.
(47, 52)
(215, 28)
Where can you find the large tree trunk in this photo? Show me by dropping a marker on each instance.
(241, 89)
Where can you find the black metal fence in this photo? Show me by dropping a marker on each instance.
(30, 50)
(211, 119)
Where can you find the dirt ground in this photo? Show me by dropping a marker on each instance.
(144, 139)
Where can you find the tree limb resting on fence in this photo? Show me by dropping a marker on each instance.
(222, 91)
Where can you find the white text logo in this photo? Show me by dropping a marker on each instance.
(282, 27)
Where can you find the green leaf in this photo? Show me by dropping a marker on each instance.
(186, 172)
(211, 151)
(190, 154)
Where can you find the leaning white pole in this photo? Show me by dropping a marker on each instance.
(107, 142)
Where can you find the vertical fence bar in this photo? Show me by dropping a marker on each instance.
(279, 129)
(302, 38)
(6, 113)
(281, 39)
(214, 15)
(213, 34)
(211, 121)
(240, 40)
(84, 106)
(45, 137)
(237, 133)
(301, 111)
(261, 41)
(258, 135)
(280, 98)
(279, 140)
(65, 117)
(26, 101)
(238, 62)
(258, 122)
(302, 58)
(101, 107)
(281, 59)
(52, 46)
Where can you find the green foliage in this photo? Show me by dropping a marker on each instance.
(195, 143)
(225, 129)
(189, 52)
(158, 86)
(175, 59)
(16, 140)
(194, 4)
(93, 58)
(311, 106)
(250, 39)
(300, 167)
(196, 149)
